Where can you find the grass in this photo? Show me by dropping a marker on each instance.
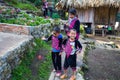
(44, 69)
(25, 6)
(21, 5)
(23, 71)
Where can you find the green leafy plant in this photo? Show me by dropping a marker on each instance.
(55, 16)
(25, 19)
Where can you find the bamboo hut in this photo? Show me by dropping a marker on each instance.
(93, 12)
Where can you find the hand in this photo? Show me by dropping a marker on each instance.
(53, 32)
(78, 52)
(60, 53)
(67, 24)
(43, 38)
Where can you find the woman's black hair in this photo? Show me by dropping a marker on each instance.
(56, 29)
(72, 11)
(73, 30)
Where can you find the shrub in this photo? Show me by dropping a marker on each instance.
(82, 30)
(55, 16)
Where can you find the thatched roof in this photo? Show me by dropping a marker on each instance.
(86, 3)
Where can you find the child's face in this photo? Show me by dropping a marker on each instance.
(55, 33)
(72, 34)
(71, 15)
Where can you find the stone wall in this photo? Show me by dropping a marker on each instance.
(16, 29)
(41, 30)
(11, 54)
(35, 31)
(10, 59)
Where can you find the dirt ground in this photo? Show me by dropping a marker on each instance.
(103, 65)
(103, 39)
(36, 63)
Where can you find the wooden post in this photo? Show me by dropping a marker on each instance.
(109, 16)
(103, 32)
(93, 28)
(93, 24)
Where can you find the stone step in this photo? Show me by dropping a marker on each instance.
(53, 77)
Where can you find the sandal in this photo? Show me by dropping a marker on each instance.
(73, 78)
(58, 74)
(63, 76)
